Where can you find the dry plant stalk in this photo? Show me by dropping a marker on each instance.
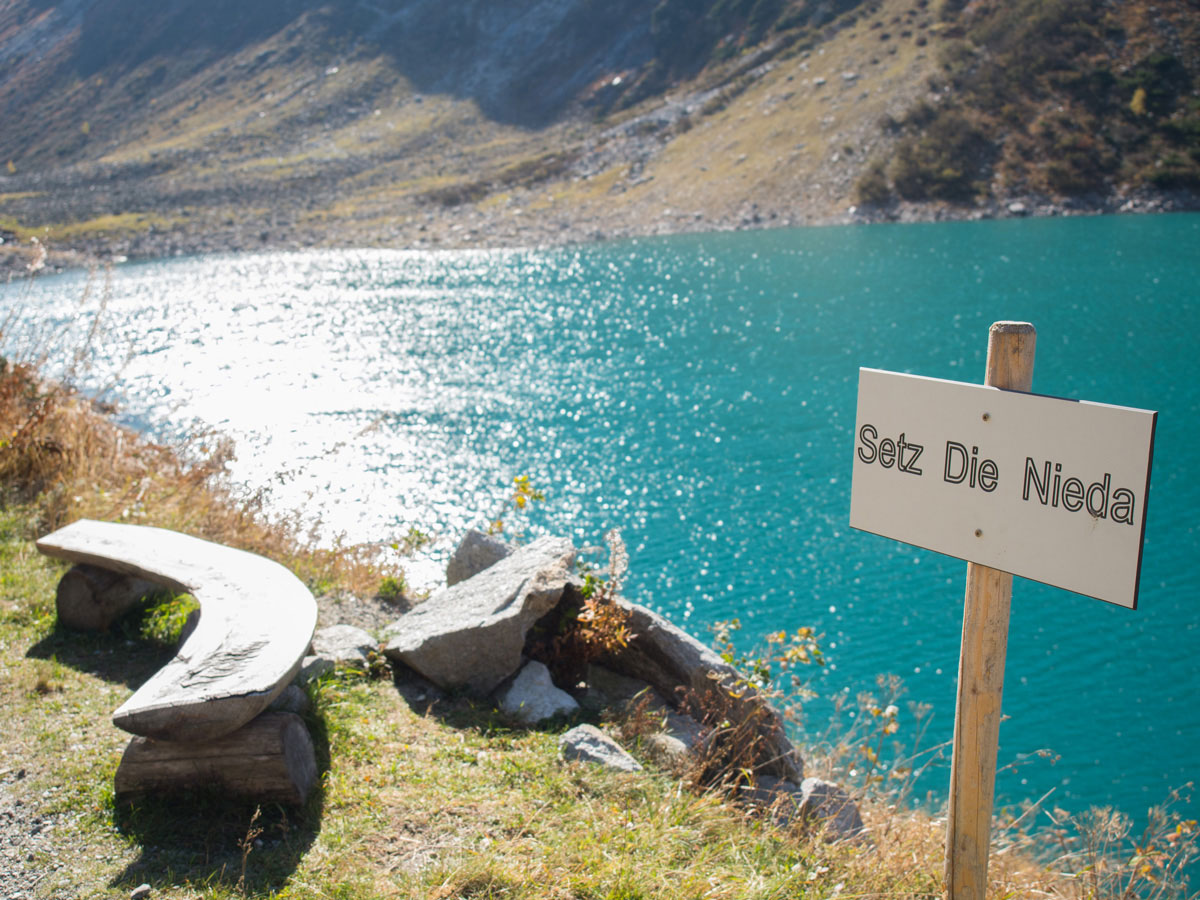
(589, 624)
(737, 745)
(246, 844)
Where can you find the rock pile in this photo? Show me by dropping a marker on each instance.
(477, 635)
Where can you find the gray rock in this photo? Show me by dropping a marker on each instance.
(607, 689)
(476, 551)
(816, 802)
(343, 645)
(767, 791)
(141, 892)
(689, 673)
(829, 805)
(587, 743)
(680, 738)
(533, 697)
(292, 699)
(312, 668)
(471, 635)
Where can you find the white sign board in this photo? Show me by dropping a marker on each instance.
(1049, 489)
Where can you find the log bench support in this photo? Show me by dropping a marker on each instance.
(201, 720)
(271, 758)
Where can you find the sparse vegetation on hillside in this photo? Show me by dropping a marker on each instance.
(416, 125)
(1059, 97)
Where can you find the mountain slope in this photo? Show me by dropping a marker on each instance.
(142, 129)
(1069, 98)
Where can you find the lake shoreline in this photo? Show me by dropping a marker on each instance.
(465, 228)
(436, 352)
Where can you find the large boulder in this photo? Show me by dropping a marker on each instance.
(697, 680)
(475, 552)
(471, 635)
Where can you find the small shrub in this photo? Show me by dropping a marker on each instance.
(392, 588)
(1185, 129)
(763, 665)
(529, 172)
(1110, 863)
(872, 187)
(741, 718)
(590, 624)
(162, 619)
(1137, 105)
(413, 541)
(948, 161)
(1174, 173)
(457, 194)
(523, 495)
(1155, 83)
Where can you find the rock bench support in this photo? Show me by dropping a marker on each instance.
(256, 623)
(91, 599)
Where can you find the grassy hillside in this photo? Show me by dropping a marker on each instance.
(238, 126)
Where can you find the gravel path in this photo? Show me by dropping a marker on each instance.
(27, 852)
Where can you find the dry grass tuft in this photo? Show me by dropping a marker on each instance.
(61, 453)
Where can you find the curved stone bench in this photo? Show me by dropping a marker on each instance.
(256, 622)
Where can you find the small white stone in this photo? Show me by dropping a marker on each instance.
(533, 697)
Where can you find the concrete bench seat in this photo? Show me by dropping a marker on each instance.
(255, 624)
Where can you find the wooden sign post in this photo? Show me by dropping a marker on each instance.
(981, 665)
(1014, 483)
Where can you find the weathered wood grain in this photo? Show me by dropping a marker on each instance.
(269, 758)
(256, 622)
(981, 666)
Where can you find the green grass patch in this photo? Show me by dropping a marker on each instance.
(447, 799)
(162, 619)
(108, 225)
(100, 226)
(18, 195)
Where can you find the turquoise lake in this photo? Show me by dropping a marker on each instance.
(698, 393)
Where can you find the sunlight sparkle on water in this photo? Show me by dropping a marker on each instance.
(698, 393)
